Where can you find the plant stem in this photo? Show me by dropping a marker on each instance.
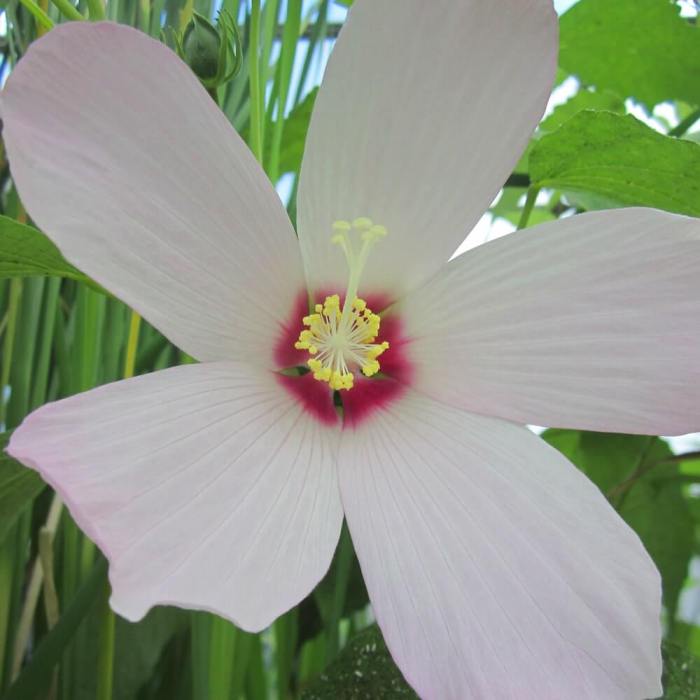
(68, 10)
(42, 572)
(529, 205)
(131, 345)
(105, 655)
(684, 126)
(8, 344)
(256, 96)
(43, 21)
(105, 660)
(288, 51)
(340, 589)
(96, 10)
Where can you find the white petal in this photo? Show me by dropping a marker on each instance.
(206, 486)
(496, 570)
(591, 322)
(122, 158)
(424, 110)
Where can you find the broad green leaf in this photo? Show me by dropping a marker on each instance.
(688, 636)
(636, 48)
(364, 669)
(508, 206)
(294, 134)
(25, 251)
(633, 471)
(621, 160)
(607, 459)
(19, 486)
(583, 99)
(681, 679)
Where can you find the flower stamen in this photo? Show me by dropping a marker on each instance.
(340, 340)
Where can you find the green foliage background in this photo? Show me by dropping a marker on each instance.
(61, 334)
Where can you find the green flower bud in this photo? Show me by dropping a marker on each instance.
(201, 47)
(214, 53)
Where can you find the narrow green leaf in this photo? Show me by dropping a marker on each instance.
(636, 48)
(36, 675)
(622, 161)
(138, 649)
(19, 486)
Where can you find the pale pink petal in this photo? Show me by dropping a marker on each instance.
(590, 322)
(424, 110)
(122, 158)
(206, 486)
(496, 570)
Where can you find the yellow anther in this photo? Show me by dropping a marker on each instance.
(373, 234)
(362, 223)
(370, 368)
(340, 339)
(337, 344)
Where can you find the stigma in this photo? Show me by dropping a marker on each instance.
(341, 341)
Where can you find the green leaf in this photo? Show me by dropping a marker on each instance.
(138, 650)
(25, 251)
(19, 486)
(364, 669)
(681, 679)
(636, 48)
(508, 205)
(633, 472)
(36, 675)
(622, 161)
(294, 134)
(583, 99)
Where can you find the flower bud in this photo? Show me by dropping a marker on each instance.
(201, 47)
(214, 53)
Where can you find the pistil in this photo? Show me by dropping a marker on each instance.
(339, 341)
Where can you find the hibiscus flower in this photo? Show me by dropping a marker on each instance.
(354, 371)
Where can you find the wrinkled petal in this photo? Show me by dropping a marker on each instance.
(590, 322)
(206, 486)
(424, 110)
(122, 158)
(496, 570)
